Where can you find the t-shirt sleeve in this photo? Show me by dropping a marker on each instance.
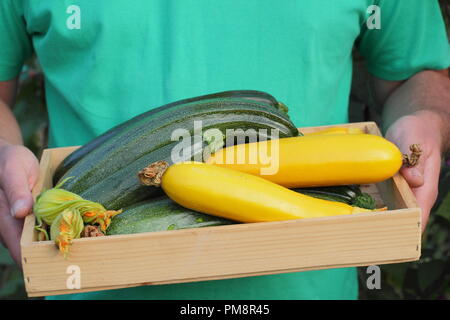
(15, 42)
(411, 38)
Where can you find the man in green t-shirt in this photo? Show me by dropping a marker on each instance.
(107, 61)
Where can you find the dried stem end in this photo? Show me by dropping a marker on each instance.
(152, 174)
(413, 159)
(91, 231)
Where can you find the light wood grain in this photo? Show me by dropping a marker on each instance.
(227, 251)
(213, 252)
(59, 292)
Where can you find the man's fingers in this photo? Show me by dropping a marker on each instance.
(10, 229)
(424, 176)
(426, 194)
(18, 174)
(404, 139)
(18, 193)
(413, 175)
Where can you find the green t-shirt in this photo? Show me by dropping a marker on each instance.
(106, 61)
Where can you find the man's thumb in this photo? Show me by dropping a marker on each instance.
(18, 193)
(413, 175)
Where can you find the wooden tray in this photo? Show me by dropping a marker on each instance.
(229, 251)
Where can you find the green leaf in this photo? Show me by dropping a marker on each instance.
(395, 274)
(444, 209)
(429, 272)
(5, 257)
(12, 286)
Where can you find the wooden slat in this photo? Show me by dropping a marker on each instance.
(59, 154)
(235, 250)
(233, 276)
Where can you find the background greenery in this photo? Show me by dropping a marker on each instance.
(428, 278)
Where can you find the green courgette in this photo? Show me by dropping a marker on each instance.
(103, 175)
(160, 214)
(74, 157)
(350, 194)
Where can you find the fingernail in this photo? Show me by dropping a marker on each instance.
(18, 206)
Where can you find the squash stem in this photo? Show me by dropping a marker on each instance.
(90, 231)
(413, 159)
(152, 174)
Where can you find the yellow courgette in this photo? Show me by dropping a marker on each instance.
(336, 130)
(316, 160)
(235, 195)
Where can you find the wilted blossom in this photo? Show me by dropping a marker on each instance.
(51, 203)
(67, 226)
(95, 213)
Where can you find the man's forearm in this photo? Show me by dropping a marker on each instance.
(9, 128)
(426, 94)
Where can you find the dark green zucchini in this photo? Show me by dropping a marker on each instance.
(139, 139)
(74, 157)
(123, 188)
(350, 194)
(160, 214)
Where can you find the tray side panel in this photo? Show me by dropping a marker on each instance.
(59, 292)
(227, 251)
(48, 163)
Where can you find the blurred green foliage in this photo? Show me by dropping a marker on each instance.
(11, 278)
(31, 112)
(30, 109)
(428, 278)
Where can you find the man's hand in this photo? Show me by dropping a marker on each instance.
(417, 111)
(19, 171)
(423, 178)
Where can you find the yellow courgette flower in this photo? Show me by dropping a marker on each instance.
(67, 226)
(95, 213)
(51, 203)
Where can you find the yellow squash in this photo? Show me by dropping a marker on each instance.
(239, 196)
(315, 160)
(336, 130)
